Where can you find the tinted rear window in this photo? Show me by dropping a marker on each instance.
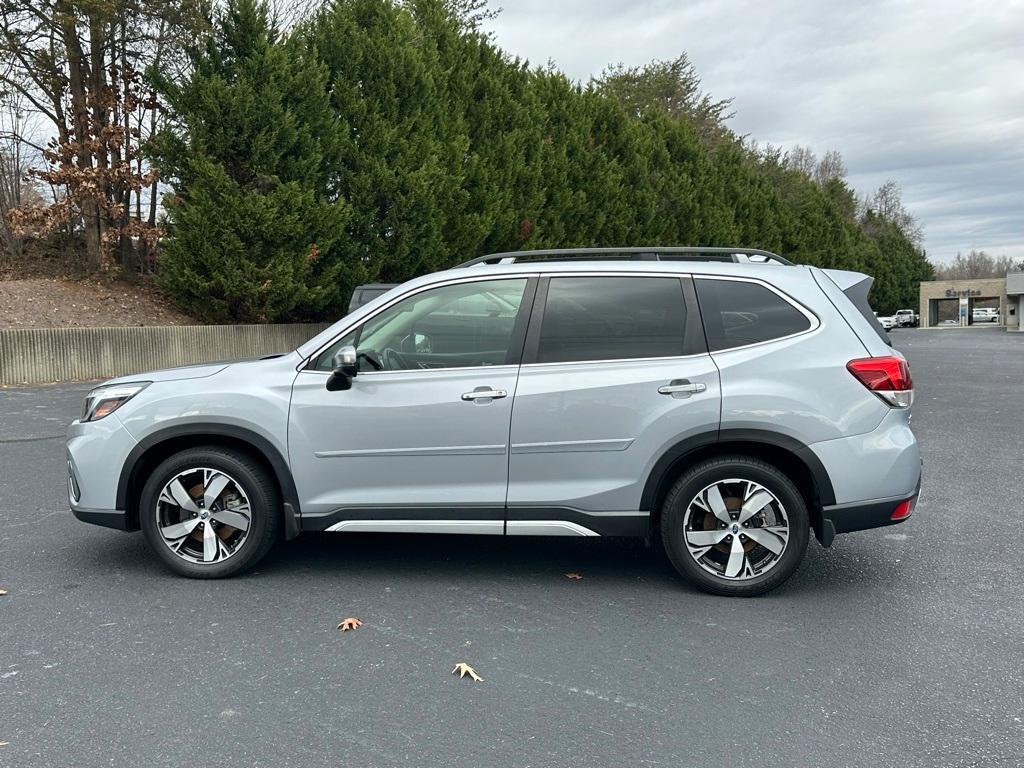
(738, 313)
(612, 318)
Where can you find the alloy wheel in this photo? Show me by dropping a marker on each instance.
(736, 529)
(203, 515)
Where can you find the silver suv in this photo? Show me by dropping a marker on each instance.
(721, 400)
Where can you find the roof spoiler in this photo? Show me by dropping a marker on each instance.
(845, 279)
(856, 286)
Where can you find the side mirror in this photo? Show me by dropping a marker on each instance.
(344, 369)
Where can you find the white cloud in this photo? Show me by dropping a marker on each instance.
(928, 93)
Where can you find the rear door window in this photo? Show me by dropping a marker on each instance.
(737, 313)
(612, 318)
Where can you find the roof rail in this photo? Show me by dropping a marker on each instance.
(651, 253)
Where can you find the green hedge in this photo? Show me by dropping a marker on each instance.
(380, 140)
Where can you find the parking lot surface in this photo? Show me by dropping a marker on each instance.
(901, 646)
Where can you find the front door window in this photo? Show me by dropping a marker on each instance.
(464, 325)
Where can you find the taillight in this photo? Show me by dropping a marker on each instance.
(902, 511)
(887, 377)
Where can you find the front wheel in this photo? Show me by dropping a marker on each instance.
(735, 526)
(210, 512)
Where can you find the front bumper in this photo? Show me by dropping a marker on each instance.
(108, 518)
(96, 451)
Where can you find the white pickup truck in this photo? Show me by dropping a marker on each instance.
(906, 318)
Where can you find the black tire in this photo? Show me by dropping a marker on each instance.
(264, 505)
(699, 477)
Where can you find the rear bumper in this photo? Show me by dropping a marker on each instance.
(862, 515)
(875, 466)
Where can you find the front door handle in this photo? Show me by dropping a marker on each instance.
(681, 388)
(481, 393)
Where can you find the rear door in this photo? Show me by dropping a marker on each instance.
(616, 372)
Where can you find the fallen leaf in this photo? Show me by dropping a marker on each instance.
(349, 623)
(573, 576)
(463, 669)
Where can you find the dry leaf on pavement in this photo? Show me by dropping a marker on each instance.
(349, 623)
(463, 669)
(573, 576)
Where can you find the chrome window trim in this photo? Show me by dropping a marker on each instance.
(620, 273)
(419, 370)
(615, 360)
(617, 273)
(811, 317)
(526, 274)
(807, 313)
(304, 365)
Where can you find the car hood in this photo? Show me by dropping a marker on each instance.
(197, 371)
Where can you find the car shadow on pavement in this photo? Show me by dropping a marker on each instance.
(469, 556)
(851, 564)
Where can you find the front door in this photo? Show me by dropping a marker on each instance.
(615, 373)
(420, 441)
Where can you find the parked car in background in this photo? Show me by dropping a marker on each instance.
(887, 322)
(985, 315)
(731, 406)
(906, 318)
(364, 294)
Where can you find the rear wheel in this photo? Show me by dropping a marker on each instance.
(735, 526)
(210, 512)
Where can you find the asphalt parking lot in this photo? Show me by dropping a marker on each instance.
(902, 646)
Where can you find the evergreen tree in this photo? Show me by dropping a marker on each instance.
(388, 138)
(256, 215)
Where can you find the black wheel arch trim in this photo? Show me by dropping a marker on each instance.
(823, 483)
(282, 473)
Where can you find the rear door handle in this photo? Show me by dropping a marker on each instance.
(481, 393)
(681, 388)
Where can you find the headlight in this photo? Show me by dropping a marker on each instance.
(103, 401)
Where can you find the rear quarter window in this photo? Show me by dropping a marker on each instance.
(738, 313)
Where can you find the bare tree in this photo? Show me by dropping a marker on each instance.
(80, 66)
(801, 159)
(830, 168)
(977, 264)
(886, 206)
(18, 153)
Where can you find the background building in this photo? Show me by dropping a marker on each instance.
(953, 302)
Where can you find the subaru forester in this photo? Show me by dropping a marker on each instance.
(720, 400)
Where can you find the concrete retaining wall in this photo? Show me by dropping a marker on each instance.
(37, 355)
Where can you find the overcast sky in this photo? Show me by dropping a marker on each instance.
(929, 93)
